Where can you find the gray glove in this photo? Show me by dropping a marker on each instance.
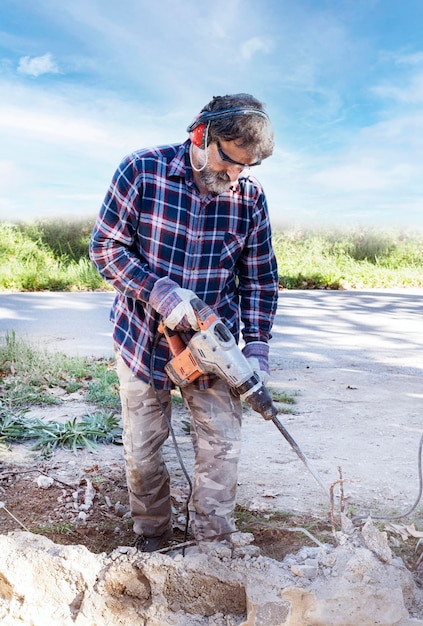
(257, 354)
(255, 366)
(173, 304)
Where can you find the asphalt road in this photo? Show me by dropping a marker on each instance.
(74, 323)
(323, 328)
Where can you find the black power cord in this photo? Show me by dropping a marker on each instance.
(358, 518)
(167, 416)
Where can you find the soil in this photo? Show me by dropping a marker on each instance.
(81, 498)
(48, 496)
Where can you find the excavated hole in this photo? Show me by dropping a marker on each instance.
(195, 593)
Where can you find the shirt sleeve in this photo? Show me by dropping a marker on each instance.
(258, 278)
(114, 235)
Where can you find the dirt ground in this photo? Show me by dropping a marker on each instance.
(354, 367)
(82, 498)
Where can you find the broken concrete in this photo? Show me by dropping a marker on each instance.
(355, 583)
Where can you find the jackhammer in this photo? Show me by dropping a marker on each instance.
(213, 350)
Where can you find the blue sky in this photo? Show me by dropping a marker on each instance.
(85, 82)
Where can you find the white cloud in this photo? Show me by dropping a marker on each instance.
(364, 174)
(65, 143)
(411, 93)
(81, 118)
(415, 58)
(36, 66)
(53, 127)
(253, 45)
(307, 64)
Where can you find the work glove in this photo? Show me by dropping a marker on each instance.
(173, 304)
(257, 355)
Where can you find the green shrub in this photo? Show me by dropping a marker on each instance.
(66, 239)
(34, 258)
(53, 255)
(354, 258)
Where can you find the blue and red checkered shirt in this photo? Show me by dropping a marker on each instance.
(154, 223)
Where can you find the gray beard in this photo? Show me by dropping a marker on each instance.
(215, 182)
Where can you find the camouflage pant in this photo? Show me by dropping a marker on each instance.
(216, 437)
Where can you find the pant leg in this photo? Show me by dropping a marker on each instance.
(145, 429)
(216, 435)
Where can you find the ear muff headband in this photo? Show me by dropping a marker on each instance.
(210, 116)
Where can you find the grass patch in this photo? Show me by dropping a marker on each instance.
(88, 432)
(74, 434)
(53, 255)
(30, 376)
(56, 528)
(350, 258)
(47, 256)
(102, 385)
(284, 401)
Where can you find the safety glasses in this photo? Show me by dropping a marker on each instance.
(228, 159)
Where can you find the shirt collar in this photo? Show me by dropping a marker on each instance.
(180, 164)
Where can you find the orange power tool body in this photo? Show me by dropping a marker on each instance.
(213, 350)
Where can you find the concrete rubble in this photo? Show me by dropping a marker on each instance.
(357, 582)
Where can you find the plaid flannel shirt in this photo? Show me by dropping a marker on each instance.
(154, 223)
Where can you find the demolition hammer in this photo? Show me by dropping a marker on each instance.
(213, 350)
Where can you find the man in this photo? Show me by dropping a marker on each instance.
(181, 221)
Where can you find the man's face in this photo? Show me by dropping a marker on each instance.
(225, 162)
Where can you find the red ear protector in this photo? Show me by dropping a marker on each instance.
(198, 126)
(197, 134)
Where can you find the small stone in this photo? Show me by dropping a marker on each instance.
(297, 570)
(311, 568)
(240, 539)
(347, 526)
(219, 549)
(376, 541)
(120, 510)
(124, 549)
(44, 482)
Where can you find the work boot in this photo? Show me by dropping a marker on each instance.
(151, 544)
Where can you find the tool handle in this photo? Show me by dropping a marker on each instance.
(173, 338)
(175, 343)
(204, 313)
(198, 304)
(205, 316)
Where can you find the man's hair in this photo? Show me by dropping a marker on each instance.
(250, 130)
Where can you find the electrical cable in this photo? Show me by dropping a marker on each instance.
(358, 518)
(167, 416)
(206, 150)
